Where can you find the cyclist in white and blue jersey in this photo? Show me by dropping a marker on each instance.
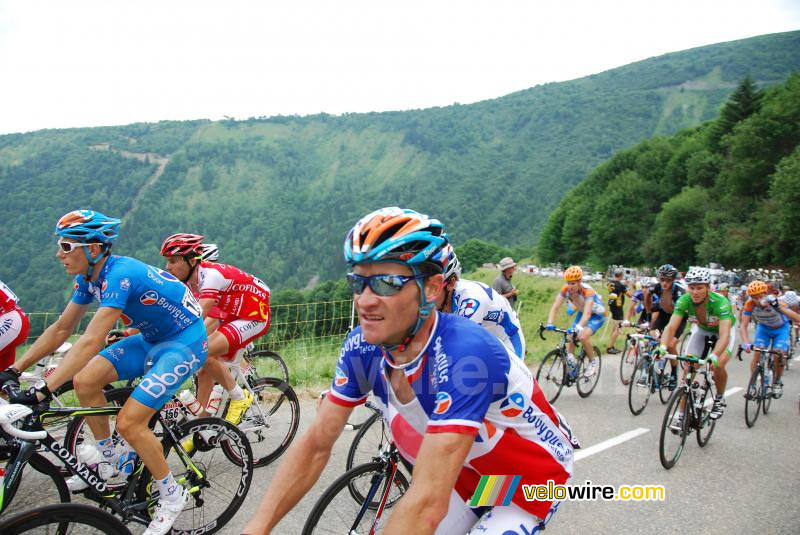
(170, 347)
(480, 304)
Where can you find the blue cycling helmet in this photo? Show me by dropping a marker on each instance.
(400, 235)
(88, 226)
(397, 234)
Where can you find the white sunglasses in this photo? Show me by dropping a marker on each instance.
(68, 246)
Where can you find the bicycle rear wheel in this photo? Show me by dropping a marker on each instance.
(552, 374)
(64, 518)
(586, 385)
(271, 421)
(640, 385)
(269, 364)
(753, 397)
(628, 361)
(671, 441)
(337, 511)
(218, 480)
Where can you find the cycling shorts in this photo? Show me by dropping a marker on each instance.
(779, 338)
(595, 321)
(239, 333)
(164, 366)
(14, 329)
(697, 341)
(616, 312)
(502, 520)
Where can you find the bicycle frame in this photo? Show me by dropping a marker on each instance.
(33, 433)
(390, 459)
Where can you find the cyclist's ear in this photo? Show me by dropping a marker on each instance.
(434, 287)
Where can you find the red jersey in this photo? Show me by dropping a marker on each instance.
(8, 299)
(236, 293)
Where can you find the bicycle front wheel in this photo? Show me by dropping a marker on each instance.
(640, 386)
(45, 484)
(627, 363)
(753, 397)
(673, 436)
(64, 518)
(586, 385)
(705, 426)
(217, 480)
(552, 374)
(370, 440)
(766, 394)
(341, 510)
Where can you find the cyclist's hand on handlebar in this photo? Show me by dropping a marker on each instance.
(549, 327)
(115, 336)
(661, 350)
(747, 347)
(27, 397)
(9, 375)
(713, 359)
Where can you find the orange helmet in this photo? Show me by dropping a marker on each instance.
(757, 287)
(573, 274)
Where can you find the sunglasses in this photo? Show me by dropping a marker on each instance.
(665, 279)
(383, 285)
(68, 246)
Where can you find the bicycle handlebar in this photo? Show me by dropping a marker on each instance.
(758, 350)
(24, 435)
(9, 428)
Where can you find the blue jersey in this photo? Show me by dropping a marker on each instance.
(465, 381)
(151, 300)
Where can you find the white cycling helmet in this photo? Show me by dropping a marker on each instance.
(209, 251)
(698, 276)
(791, 299)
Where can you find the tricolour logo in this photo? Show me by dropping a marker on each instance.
(494, 491)
(513, 405)
(149, 298)
(340, 379)
(443, 402)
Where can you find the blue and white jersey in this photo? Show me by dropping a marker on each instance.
(480, 304)
(151, 300)
(466, 382)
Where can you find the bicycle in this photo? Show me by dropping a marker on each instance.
(270, 423)
(758, 397)
(693, 398)
(60, 517)
(266, 363)
(555, 367)
(217, 472)
(649, 374)
(359, 498)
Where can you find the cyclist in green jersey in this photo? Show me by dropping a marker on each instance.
(712, 318)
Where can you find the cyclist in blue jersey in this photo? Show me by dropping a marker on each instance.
(458, 402)
(170, 347)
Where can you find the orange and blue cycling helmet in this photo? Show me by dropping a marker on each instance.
(88, 226)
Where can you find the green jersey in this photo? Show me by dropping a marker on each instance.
(718, 308)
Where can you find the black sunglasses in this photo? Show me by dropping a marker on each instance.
(383, 285)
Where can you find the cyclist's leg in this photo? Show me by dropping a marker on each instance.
(761, 339)
(460, 517)
(780, 342)
(512, 519)
(585, 336)
(14, 329)
(88, 385)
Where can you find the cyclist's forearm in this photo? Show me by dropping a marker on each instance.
(49, 341)
(76, 358)
(295, 477)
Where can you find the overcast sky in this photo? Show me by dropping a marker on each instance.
(71, 63)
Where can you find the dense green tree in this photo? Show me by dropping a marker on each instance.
(678, 228)
(743, 103)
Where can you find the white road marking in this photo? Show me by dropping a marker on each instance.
(610, 443)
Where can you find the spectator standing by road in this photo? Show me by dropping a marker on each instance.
(502, 284)
(616, 301)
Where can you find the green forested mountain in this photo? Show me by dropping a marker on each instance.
(727, 191)
(278, 193)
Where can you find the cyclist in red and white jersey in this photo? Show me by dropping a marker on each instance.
(235, 308)
(13, 326)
